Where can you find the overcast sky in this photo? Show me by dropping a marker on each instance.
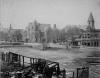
(61, 12)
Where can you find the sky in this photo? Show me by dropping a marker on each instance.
(19, 13)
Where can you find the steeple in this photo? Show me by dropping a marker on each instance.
(91, 17)
(10, 27)
(54, 26)
(91, 22)
(36, 24)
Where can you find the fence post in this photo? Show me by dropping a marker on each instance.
(73, 75)
(31, 61)
(23, 61)
(77, 73)
(19, 60)
(2, 56)
(6, 57)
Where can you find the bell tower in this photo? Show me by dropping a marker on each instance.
(91, 22)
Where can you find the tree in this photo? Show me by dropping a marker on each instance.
(56, 34)
(72, 31)
(62, 35)
(4, 36)
(49, 34)
(17, 36)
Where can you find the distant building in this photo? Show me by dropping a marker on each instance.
(8, 34)
(36, 31)
(12, 32)
(56, 33)
(30, 31)
(90, 37)
(3, 33)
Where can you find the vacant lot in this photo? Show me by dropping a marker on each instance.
(69, 59)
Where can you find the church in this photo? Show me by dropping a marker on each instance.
(90, 37)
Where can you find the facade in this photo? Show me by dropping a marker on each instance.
(12, 35)
(15, 35)
(90, 37)
(3, 32)
(35, 31)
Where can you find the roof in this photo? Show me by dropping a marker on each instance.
(97, 30)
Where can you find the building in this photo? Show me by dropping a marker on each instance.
(30, 31)
(11, 34)
(90, 37)
(36, 32)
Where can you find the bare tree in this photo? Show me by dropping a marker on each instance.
(72, 31)
(17, 36)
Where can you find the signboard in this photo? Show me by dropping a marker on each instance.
(83, 72)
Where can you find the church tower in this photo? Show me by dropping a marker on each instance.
(91, 22)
